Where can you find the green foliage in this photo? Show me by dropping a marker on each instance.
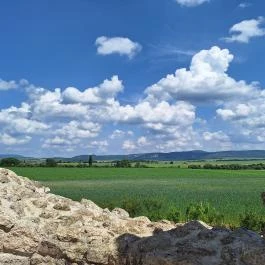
(90, 161)
(173, 215)
(252, 221)
(154, 209)
(132, 206)
(195, 166)
(9, 162)
(259, 166)
(51, 162)
(204, 212)
(140, 165)
(123, 163)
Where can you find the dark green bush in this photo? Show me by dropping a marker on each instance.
(154, 209)
(132, 206)
(123, 163)
(252, 221)
(9, 162)
(173, 215)
(51, 162)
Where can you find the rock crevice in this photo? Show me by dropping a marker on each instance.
(37, 228)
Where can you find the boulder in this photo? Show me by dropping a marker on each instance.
(37, 228)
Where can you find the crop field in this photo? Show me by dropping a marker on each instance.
(176, 164)
(231, 192)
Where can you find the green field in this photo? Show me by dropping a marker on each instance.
(230, 192)
(175, 164)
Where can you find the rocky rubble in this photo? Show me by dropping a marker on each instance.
(37, 228)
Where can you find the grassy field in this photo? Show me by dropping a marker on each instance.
(177, 164)
(230, 192)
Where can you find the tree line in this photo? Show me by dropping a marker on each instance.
(259, 166)
(50, 162)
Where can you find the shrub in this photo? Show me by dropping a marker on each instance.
(252, 221)
(173, 215)
(132, 206)
(9, 162)
(123, 163)
(205, 213)
(194, 166)
(51, 162)
(154, 209)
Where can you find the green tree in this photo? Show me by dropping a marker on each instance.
(90, 161)
(51, 162)
(123, 163)
(9, 162)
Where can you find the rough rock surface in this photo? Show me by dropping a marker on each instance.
(38, 228)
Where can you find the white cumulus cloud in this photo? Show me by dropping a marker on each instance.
(118, 45)
(7, 85)
(164, 119)
(7, 139)
(205, 81)
(104, 92)
(246, 30)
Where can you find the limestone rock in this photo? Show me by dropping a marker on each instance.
(6, 224)
(8, 259)
(38, 228)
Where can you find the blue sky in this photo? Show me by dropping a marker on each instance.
(55, 56)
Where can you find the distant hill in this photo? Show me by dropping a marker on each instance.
(83, 158)
(180, 156)
(11, 155)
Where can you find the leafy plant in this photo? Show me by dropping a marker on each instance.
(174, 215)
(204, 212)
(252, 221)
(132, 206)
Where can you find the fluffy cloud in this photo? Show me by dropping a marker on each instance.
(129, 146)
(119, 45)
(217, 140)
(58, 142)
(100, 145)
(245, 30)
(206, 80)
(47, 103)
(7, 139)
(19, 120)
(239, 111)
(117, 134)
(247, 117)
(74, 120)
(138, 145)
(103, 93)
(191, 3)
(250, 114)
(7, 85)
(219, 136)
(77, 130)
(167, 140)
(143, 141)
